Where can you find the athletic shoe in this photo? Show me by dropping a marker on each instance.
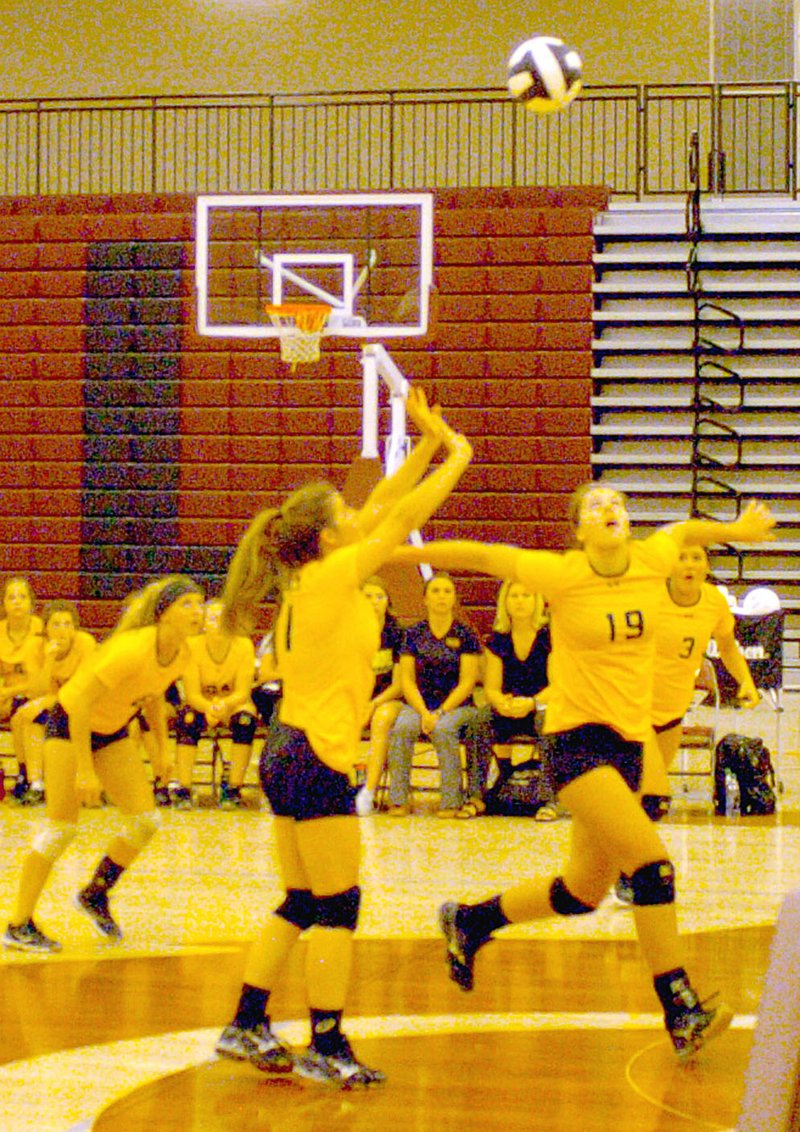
(96, 908)
(27, 937)
(230, 797)
(182, 798)
(461, 946)
(692, 1029)
(161, 794)
(259, 1046)
(340, 1068)
(622, 892)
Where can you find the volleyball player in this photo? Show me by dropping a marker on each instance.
(604, 600)
(88, 749)
(692, 611)
(317, 552)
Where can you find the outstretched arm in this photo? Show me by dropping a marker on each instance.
(755, 524)
(498, 559)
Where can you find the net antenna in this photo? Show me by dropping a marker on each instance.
(379, 368)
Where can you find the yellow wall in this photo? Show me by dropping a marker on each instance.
(121, 47)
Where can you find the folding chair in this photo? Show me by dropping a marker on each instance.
(699, 729)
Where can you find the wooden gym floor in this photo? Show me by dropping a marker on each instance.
(561, 1032)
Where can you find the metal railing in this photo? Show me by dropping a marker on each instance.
(633, 139)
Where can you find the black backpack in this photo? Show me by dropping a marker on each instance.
(750, 763)
(520, 795)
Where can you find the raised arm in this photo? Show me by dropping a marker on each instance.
(414, 508)
(388, 491)
(755, 524)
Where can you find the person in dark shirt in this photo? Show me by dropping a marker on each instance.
(439, 666)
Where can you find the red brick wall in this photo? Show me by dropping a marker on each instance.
(508, 355)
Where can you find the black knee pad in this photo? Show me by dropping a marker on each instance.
(339, 910)
(656, 806)
(243, 727)
(654, 884)
(564, 903)
(299, 908)
(189, 726)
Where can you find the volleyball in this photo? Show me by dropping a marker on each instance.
(544, 74)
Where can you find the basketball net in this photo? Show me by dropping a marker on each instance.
(301, 326)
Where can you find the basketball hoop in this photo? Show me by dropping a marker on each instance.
(300, 326)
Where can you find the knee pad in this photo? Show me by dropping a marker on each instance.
(243, 728)
(339, 910)
(656, 806)
(138, 829)
(654, 884)
(52, 838)
(189, 726)
(299, 908)
(564, 903)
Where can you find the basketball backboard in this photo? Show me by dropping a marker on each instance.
(369, 256)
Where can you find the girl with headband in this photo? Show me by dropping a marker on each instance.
(88, 750)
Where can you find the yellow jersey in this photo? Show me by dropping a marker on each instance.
(326, 637)
(220, 678)
(127, 667)
(682, 636)
(63, 668)
(603, 634)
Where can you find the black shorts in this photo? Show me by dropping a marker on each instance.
(57, 727)
(504, 728)
(575, 752)
(297, 783)
(660, 728)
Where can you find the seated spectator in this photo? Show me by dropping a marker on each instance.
(515, 681)
(20, 647)
(439, 664)
(386, 701)
(217, 684)
(61, 650)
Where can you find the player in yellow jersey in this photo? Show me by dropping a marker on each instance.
(87, 749)
(692, 612)
(318, 552)
(604, 600)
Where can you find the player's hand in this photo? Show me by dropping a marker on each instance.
(755, 524)
(88, 788)
(427, 419)
(748, 697)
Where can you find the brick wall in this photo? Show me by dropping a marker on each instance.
(132, 447)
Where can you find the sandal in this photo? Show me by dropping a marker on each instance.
(550, 811)
(397, 812)
(473, 808)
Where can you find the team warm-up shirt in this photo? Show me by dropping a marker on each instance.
(220, 678)
(326, 637)
(682, 636)
(63, 668)
(20, 659)
(603, 634)
(128, 668)
(526, 676)
(438, 659)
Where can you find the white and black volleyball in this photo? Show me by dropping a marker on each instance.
(544, 74)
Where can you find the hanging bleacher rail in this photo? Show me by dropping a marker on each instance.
(633, 139)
